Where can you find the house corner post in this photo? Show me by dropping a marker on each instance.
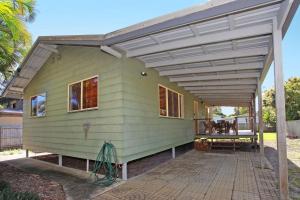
(27, 153)
(261, 125)
(60, 160)
(124, 171)
(173, 152)
(87, 165)
(280, 112)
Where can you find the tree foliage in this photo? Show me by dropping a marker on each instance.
(15, 39)
(240, 111)
(292, 102)
(217, 111)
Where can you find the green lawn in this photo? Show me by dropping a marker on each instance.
(269, 137)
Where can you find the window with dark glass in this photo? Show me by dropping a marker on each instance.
(38, 105)
(162, 101)
(170, 103)
(90, 93)
(83, 94)
(75, 97)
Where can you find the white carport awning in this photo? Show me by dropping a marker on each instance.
(219, 58)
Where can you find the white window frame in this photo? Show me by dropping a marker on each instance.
(81, 95)
(180, 101)
(40, 94)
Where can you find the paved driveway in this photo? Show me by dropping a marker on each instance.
(197, 175)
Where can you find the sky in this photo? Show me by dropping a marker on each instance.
(65, 17)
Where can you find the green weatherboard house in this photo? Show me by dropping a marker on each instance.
(141, 87)
(80, 96)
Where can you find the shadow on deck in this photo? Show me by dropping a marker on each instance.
(198, 175)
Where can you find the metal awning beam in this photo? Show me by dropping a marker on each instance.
(251, 91)
(218, 82)
(221, 87)
(220, 96)
(245, 104)
(216, 77)
(260, 51)
(244, 66)
(207, 39)
(111, 51)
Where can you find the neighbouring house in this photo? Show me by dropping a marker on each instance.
(11, 122)
(141, 87)
(11, 103)
(11, 117)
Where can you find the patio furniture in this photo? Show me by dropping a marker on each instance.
(233, 126)
(208, 127)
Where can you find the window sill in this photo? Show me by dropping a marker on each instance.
(87, 109)
(166, 117)
(37, 117)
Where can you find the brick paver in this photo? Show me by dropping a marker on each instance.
(197, 175)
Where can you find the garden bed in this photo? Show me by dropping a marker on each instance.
(21, 181)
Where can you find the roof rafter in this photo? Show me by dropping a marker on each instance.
(216, 77)
(218, 82)
(221, 87)
(259, 51)
(206, 39)
(244, 66)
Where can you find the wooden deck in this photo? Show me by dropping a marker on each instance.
(207, 176)
(241, 135)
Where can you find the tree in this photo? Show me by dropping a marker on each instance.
(15, 40)
(217, 111)
(292, 95)
(240, 111)
(292, 102)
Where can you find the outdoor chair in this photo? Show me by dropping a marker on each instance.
(233, 126)
(208, 127)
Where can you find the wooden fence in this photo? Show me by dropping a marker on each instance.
(10, 137)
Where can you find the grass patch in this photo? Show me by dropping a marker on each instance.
(269, 137)
(11, 152)
(6, 193)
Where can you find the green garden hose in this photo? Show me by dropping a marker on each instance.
(106, 163)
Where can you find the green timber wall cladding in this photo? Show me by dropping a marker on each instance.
(128, 113)
(145, 132)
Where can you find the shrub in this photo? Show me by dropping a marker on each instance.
(6, 193)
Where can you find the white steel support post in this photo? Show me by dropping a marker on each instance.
(60, 160)
(254, 115)
(254, 121)
(173, 153)
(87, 165)
(27, 153)
(280, 112)
(261, 125)
(124, 171)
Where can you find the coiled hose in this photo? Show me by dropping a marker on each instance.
(106, 163)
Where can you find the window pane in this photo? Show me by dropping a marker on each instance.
(170, 103)
(175, 100)
(181, 110)
(33, 106)
(75, 97)
(41, 105)
(162, 101)
(90, 93)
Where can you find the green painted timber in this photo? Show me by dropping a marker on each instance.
(128, 113)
